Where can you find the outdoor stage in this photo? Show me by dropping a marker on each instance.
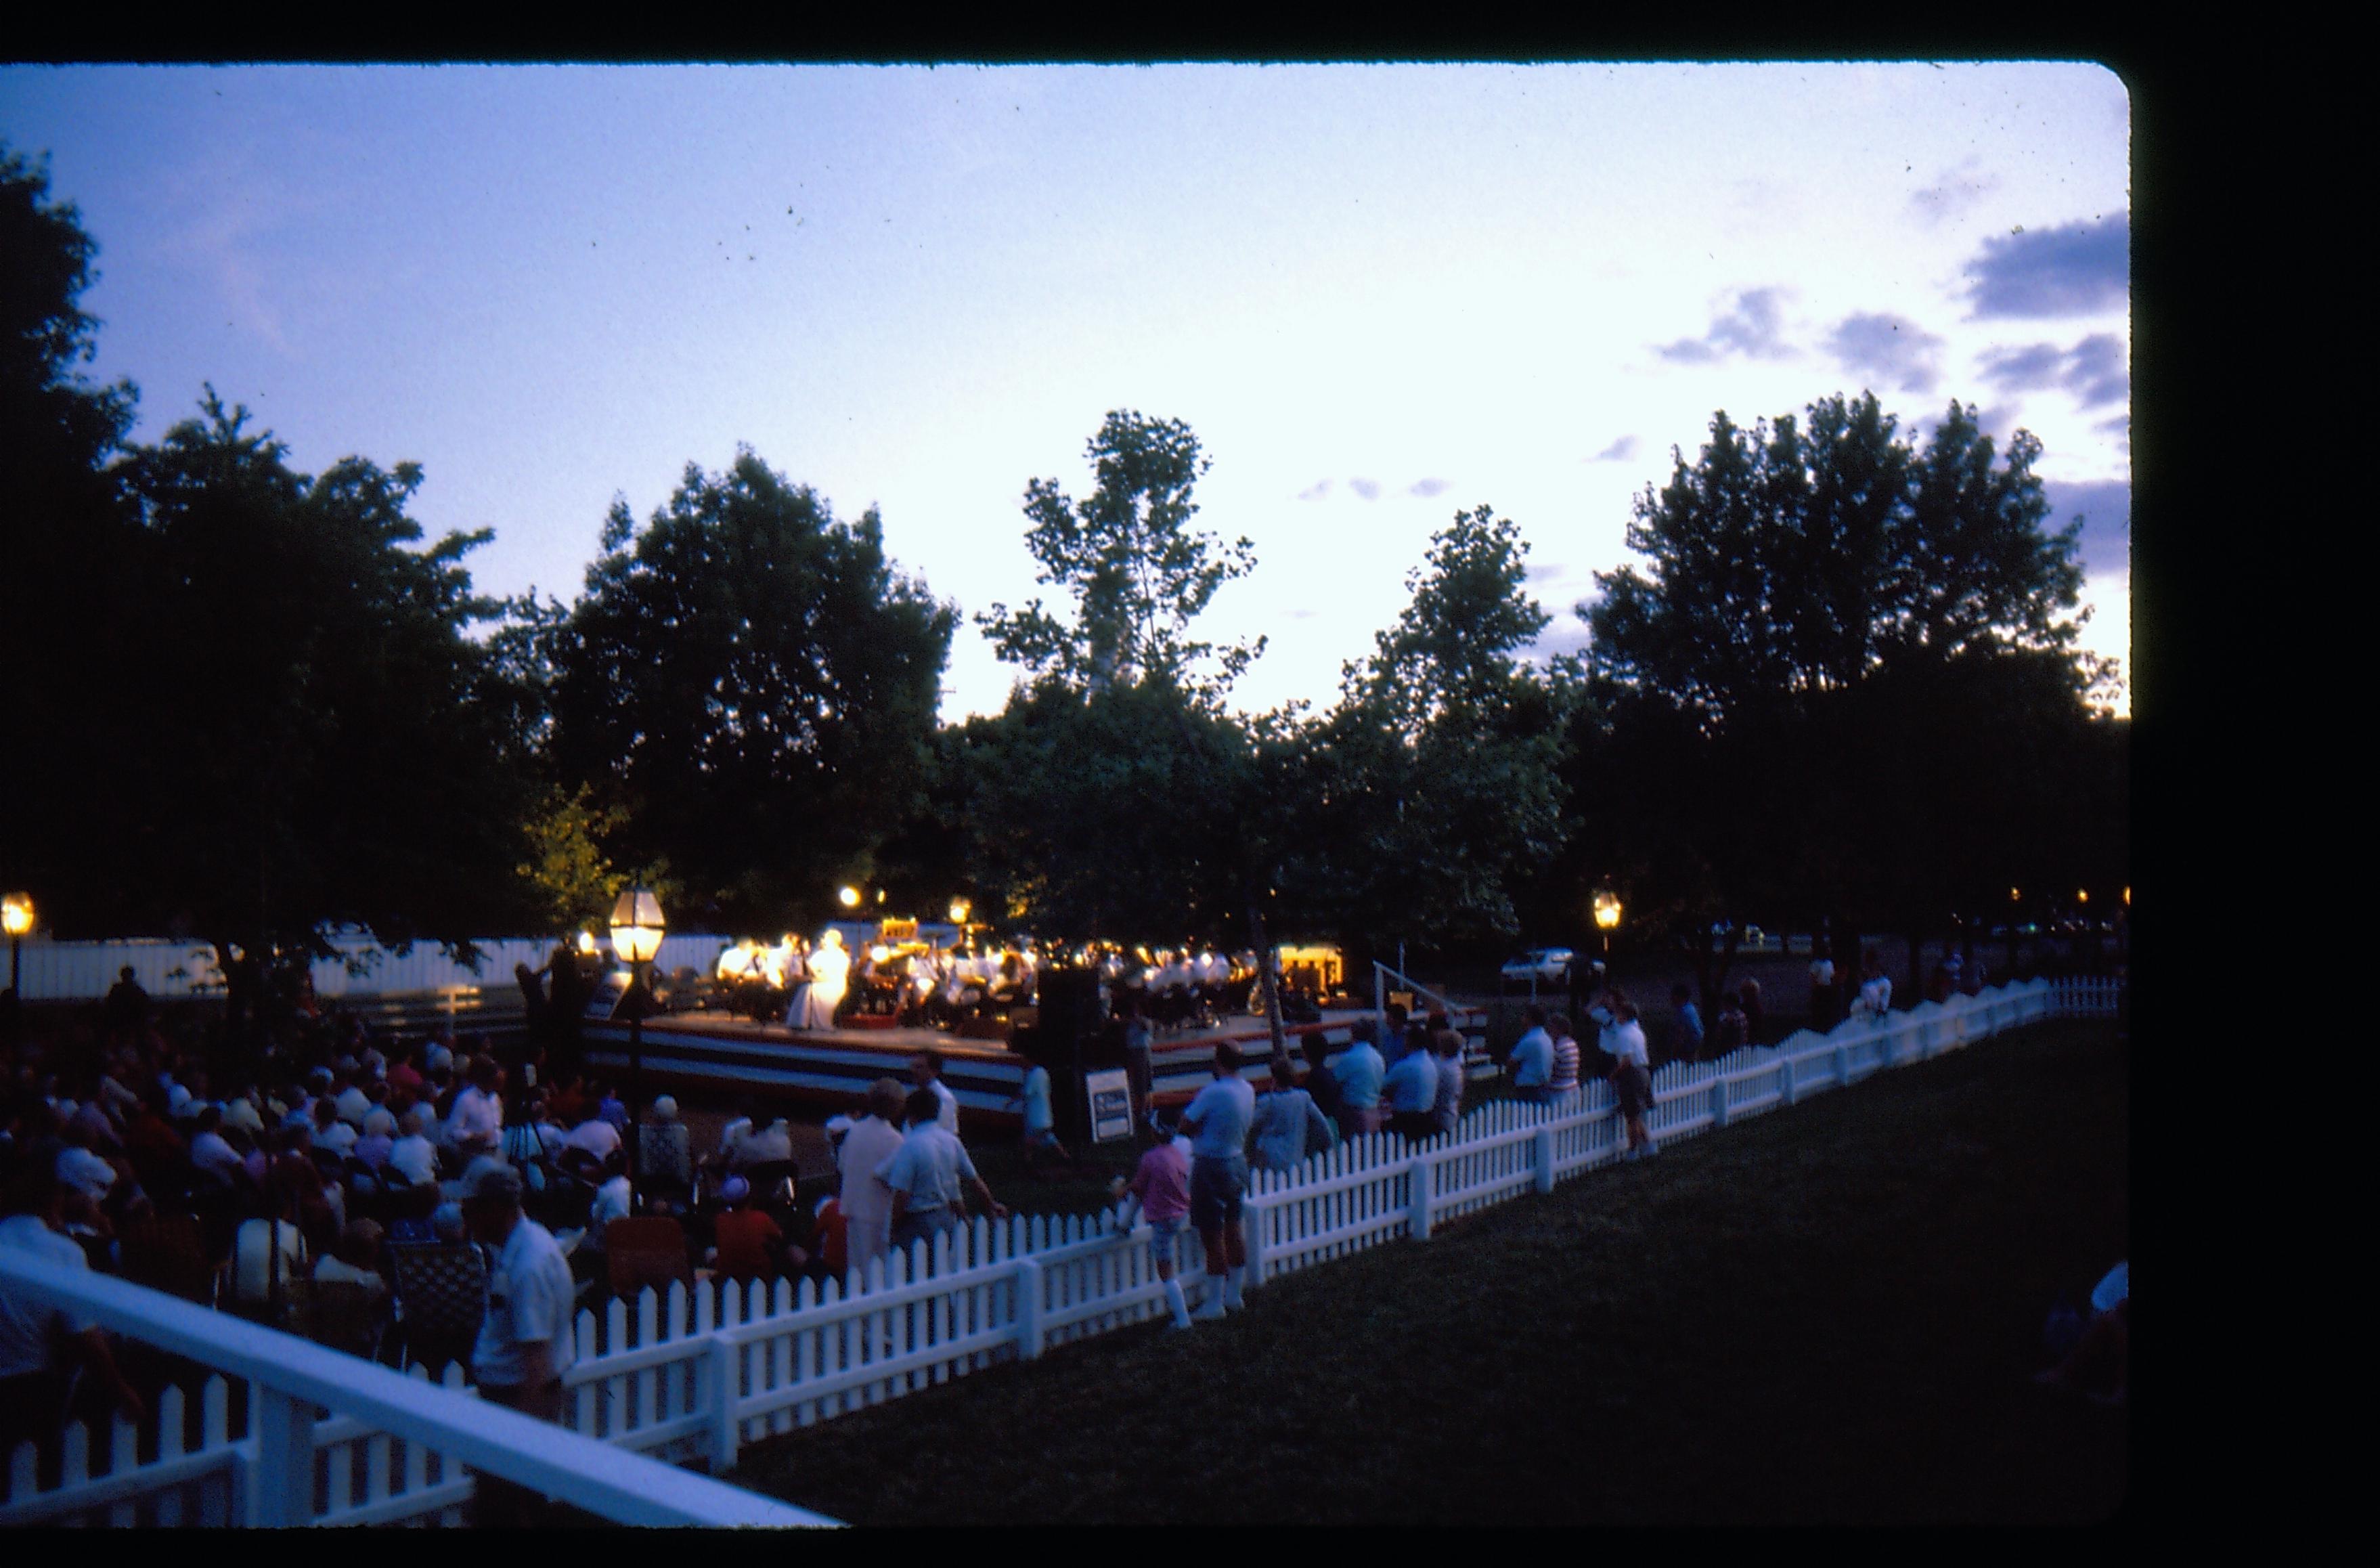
(716, 1053)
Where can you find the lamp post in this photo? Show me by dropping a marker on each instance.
(1607, 920)
(16, 919)
(637, 930)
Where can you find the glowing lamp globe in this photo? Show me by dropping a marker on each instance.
(637, 927)
(850, 897)
(1606, 911)
(16, 914)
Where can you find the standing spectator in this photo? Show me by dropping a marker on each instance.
(926, 1072)
(1411, 1092)
(1822, 989)
(1756, 1017)
(1286, 1119)
(1041, 1120)
(1446, 1106)
(1632, 1075)
(1359, 1073)
(126, 1005)
(524, 1340)
(1731, 1033)
(35, 1375)
(1138, 1061)
(1162, 1183)
(1876, 990)
(863, 1198)
(1532, 1059)
(1395, 1038)
(1564, 1078)
(1217, 1123)
(1689, 1023)
(1323, 1085)
(925, 1174)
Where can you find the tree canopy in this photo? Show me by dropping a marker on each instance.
(1137, 572)
(752, 685)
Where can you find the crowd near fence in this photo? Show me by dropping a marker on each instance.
(696, 1374)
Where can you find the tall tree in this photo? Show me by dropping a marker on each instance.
(753, 684)
(1137, 572)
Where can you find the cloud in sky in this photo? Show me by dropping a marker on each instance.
(2092, 369)
(1546, 571)
(2073, 270)
(1618, 452)
(1751, 329)
(1892, 349)
(1320, 490)
(2105, 509)
(1368, 489)
(1427, 487)
(1953, 192)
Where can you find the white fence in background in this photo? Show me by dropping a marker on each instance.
(697, 1374)
(74, 971)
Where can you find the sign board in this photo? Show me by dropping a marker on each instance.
(1404, 998)
(1108, 1094)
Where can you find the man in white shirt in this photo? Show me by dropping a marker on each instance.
(1216, 1124)
(34, 1386)
(524, 1340)
(1533, 1057)
(924, 1175)
(1875, 992)
(865, 1198)
(589, 1145)
(1822, 992)
(1631, 1073)
(477, 1124)
(926, 1072)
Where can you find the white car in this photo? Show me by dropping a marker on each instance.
(1546, 966)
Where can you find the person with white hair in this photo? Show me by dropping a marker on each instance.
(413, 1156)
(525, 1342)
(665, 1147)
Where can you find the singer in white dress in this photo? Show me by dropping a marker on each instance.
(813, 1005)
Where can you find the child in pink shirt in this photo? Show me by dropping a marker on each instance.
(1162, 1186)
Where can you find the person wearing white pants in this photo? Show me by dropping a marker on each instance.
(865, 1200)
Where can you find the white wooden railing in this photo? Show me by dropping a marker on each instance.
(695, 1375)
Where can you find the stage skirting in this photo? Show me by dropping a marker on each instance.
(716, 1055)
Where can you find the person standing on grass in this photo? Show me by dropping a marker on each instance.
(1446, 1106)
(1323, 1086)
(1162, 1184)
(1690, 1023)
(1411, 1090)
(925, 1173)
(1755, 1016)
(36, 1337)
(1564, 1080)
(1532, 1059)
(1286, 1119)
(525, 1339)
(1217, 1123)
(1359, 1073)
(926, 1072)
(864, 1198)
(1040, 1119)
(1631, 1073)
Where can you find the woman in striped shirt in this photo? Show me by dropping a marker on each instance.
(1565, 1074)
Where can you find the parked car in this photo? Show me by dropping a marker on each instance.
(1546, 966)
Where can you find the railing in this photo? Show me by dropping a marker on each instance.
(1382, 975)
(697, 1374)
(295, 1466)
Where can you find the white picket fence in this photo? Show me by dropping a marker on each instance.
(695, 1375)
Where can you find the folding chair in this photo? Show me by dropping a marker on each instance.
(440, 1295)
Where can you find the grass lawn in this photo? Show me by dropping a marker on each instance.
(1825, 1314)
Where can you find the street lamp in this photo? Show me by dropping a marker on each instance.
(16, 919)
(637, 931)
(1606, 917)
(850, 897)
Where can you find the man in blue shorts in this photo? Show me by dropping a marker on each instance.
(1217, 1124)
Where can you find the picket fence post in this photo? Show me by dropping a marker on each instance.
(1028, 1309)
(1545, 1157)
(1251, 1221)
(1842, 1064)
(720, 1357)
(1417, 1197)
(1719, 1101)
(279, 1482)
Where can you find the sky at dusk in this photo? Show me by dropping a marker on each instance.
(1379, 293)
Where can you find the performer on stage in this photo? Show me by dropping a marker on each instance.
(814, 1004)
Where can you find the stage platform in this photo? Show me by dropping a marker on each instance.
(827, 1070)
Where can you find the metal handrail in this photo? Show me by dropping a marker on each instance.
(1381, 974)
(293, 1373)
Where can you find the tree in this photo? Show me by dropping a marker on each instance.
(1433, 790)
(1830, 692)
(1126, 553)
(752, 685)
(1785, 565)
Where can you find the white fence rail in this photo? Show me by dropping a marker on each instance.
(695, 1375)
(71, 971)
